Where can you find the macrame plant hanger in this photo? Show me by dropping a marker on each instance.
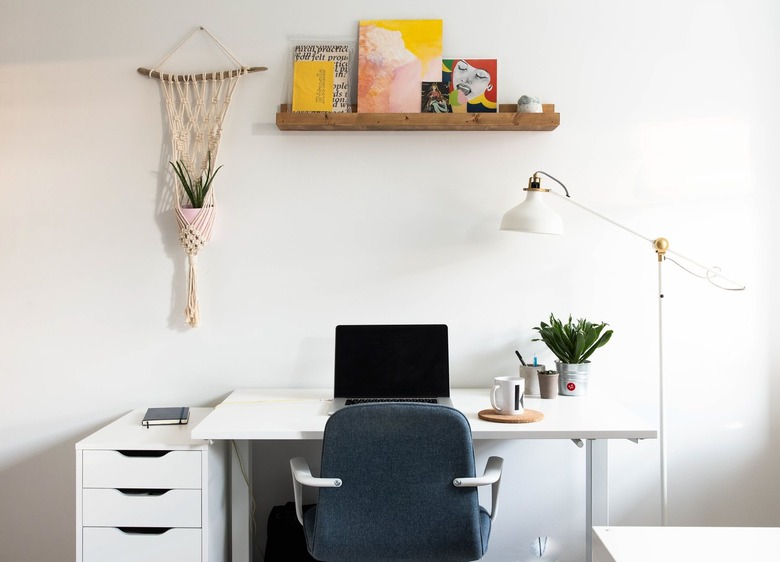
(196, 105)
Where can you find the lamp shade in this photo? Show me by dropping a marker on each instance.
(533, 216)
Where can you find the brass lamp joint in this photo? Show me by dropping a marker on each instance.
(661, 245)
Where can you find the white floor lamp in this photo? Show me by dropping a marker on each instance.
(534, 216)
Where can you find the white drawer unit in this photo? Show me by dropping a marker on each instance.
(151, 494)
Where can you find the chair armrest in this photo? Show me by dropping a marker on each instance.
(301, 474)
(492, 476)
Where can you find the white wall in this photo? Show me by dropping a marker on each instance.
(668, 124)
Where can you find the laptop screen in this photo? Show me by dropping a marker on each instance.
(392, 361)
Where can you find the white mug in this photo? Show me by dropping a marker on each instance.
(507, 395)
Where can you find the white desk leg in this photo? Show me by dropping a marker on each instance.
(241, 507)
(596, 490)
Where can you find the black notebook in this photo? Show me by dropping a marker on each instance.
(166, 416)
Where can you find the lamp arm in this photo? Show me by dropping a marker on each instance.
(602, 217)
(659, 244)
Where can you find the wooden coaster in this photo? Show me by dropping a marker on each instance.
(528, 416)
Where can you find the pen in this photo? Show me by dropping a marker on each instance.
(536, 363)
(520, 357)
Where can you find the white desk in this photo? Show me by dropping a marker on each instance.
(285, 414)
(685, 544)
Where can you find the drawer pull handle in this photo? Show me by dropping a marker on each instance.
(144, 530)
(142, 491)
(148, 454)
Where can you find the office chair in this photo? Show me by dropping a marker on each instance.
(397, 482)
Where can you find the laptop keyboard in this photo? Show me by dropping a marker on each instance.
(351, 401)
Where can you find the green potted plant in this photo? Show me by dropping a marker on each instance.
(573, 343)
(195, 188)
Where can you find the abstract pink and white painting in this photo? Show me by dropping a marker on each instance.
(394, 58)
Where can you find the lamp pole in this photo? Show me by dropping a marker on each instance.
(661, 246)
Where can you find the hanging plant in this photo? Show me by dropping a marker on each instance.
(196, 106)
(198, 188)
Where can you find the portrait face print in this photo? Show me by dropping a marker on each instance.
(469, 80)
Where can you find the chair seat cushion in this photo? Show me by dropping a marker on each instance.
(310, 516)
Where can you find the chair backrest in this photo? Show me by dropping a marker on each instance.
(397, 501)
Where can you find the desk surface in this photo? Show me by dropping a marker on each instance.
(685, 544)
(290, 414)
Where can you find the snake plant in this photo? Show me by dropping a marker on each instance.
(197, 188)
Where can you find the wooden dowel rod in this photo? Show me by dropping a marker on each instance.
(201, 76)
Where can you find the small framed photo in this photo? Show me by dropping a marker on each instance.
(434, 98)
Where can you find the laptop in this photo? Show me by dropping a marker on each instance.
(389, 363)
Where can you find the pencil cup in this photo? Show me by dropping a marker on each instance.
(507, 395)
(528, 372)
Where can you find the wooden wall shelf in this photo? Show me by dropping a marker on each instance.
(505, 120)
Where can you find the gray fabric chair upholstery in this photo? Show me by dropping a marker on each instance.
(387, 488)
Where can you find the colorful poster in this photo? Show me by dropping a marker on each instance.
(472, 84)
(321, 78)
(394, 58)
